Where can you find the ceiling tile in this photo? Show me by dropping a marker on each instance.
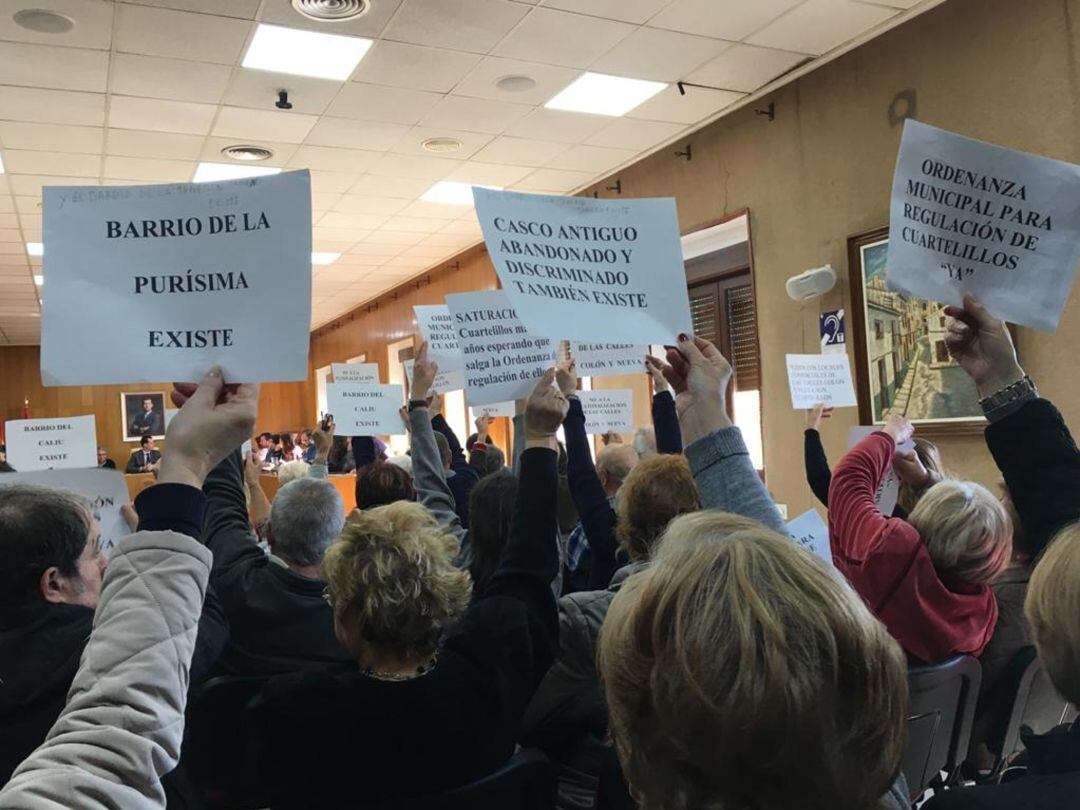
(343, 235)
(18, 161)
(596, 159)
(414, 66)
(697, 104)
(179, 79)
(420, 168)
(489, 174)
(412, 143)
(332, 159)
(9, 220)
(375, 102)
(427, 210)
(560, 38)
(138, 143)
(520, 151)
(413, 224)
(407, 188)
(463, 25)
(182, 35)
(329, 182)
(475, 114)
(631, 11)
(341, 132)
(28, 204)
(274, 125)
(259, 88)
(550, 79)
(461, 226)
(29, 185)
(356, 222)
(211, 150)
(57, 68)
(128, 112)
(446, 240)
(559, 125)
(242, 9)
(739, 19)
(393, 238)
(364, 204)
(149, 170)
(555, 181)
(52, 137)
(52, 106)
(663, 56)
(893, 3)
(818, 26)
(746, 68)
(369, 24)
(631, 133)
(94, 27)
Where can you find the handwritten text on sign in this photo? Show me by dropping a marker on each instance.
(162, 282)
(608, 411)
(365, 410)
(609, 359)
(824, 378)
(587, 269)
(46, 444)
(968, 216)
(356, 372)
(502, 359)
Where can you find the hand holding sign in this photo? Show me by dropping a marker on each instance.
(545, 410)
(816, 414)
(699, 375)
(982, 345)
(655, 370)
(424, 373)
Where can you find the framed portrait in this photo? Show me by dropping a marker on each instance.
(143, 413)
(902, 365)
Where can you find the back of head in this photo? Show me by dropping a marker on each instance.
(494, 460)
(966, 531)
(491, 510)
(39, 528)
(380, 483)
(1052, 605)
(392, 579)
(657, 490)
(305, 519)
(444, 449)
(740, 672)
(291, 470)
(614, 463)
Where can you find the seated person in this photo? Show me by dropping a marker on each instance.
(143, 459)
(305, 446)
(103, 460)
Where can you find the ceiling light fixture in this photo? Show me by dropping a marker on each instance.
(601, 94)
(304, 53)
(441, 145)
(331, 10)
(1, 164)
(515, 83)
(42, 21)
(247, 152)
(450, 192)
(207, 172)
(324, 258)
(39, 279)
(35, 249)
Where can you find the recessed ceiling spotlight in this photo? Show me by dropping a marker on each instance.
(441, 145)
(304, 53)
(601, 94)
(246, 152)
(331, 10)
(43, 21)
(207, 172)
(515, 83)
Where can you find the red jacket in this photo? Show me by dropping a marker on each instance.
(887, 563)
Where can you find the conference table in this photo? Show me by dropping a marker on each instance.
(346, 485)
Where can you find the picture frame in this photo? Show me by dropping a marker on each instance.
(901, 363)
(136, 420)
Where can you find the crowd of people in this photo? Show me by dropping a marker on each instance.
(642, 618)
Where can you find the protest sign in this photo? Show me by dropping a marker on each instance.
(361, 409)
(970, 217)
(578, 268)
(444, 382)
(52, 444)
(161, 282)
(502, 360)
(367, 373)
(105, 490)
(810, 532)
(495, 409)
(609, 359)
(824, 378)
(607, 411)
(437, 328)
(889, 490)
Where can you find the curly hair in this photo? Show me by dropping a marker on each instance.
(657, 490)
(392, 578)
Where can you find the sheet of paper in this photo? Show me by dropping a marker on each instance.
(169, 414)
(444, 382)
(608, 411)
(495, 409)
(367, 373)
(609, 359)
(52, 444)
(889, 490)
(104, 489)
(502, 359)
(437, 328)
(969, 216)
(815, 378)
(147, 283)
(360, 409)
(585, 269)
(810, 531)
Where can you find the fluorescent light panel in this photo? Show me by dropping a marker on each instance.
(304, 53)
(600, 94)
(38, 279)
(450, 192)
(324, 258)
(1, 165)
(35, 249)
(207, 172)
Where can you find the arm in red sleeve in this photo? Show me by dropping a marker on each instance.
(855, 522)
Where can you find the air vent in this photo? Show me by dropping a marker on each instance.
(441, 145)
(42, 21)
(515, 83)
(247, 152)
(331, 10)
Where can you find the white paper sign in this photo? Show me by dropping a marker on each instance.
(444, 382)
(815, 378)
(888, 492)
(437, 328)
(365, 410)
(810, 531)
(169, 414)
(502, 359)
(161, 282)
(609, 359)
(586, 269)
(52, 444)
(104, 489)
(607, 411)
(495, 409)
(968, 216)
(367, 373)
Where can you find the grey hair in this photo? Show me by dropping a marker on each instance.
(305, 519)
(291, 470)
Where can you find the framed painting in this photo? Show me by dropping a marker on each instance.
(143, 413)
(902, 365)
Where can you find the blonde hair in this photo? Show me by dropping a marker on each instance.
(1052, 605)
(966, 530)
(657, 490)
(392, 578)
(291, 470)
(740, 672)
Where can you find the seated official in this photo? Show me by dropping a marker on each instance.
(103, 460)
(143, 459)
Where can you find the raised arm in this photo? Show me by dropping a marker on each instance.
(259, 504)
(227, 531)
(818, 474)
(664, 414)
(322, 440)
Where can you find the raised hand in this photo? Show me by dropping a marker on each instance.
(909, 469)
(424, 373)
(545, 410)
(982, 345)
(252, 468)
(816, 414)
(436, 403)
(699, 375)
(566, 375)
(899, 428)
(655, 370)
(323, 439)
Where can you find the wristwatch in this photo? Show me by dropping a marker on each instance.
(1009, 399)
(417, 403)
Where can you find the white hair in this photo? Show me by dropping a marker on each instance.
(403, 461)
(291, 470)
(645, 442)
(305, 519)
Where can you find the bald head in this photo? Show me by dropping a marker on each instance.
(613, 464)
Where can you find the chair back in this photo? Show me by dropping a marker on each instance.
(941, 711)
(1036, 705)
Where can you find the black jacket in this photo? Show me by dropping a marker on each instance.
(465, 475)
